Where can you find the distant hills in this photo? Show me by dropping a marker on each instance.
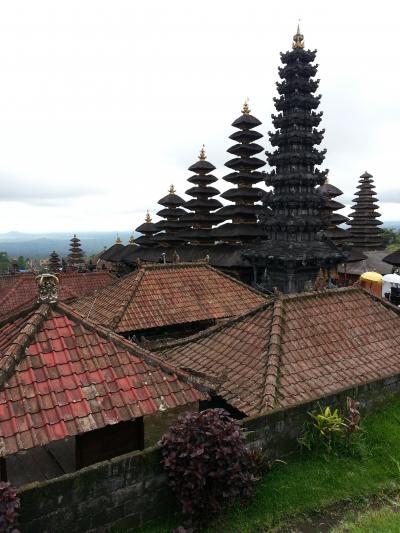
(39, 246)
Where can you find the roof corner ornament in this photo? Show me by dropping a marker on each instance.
(246, 109)
(202, 154)
(298, 39)
(47, 285)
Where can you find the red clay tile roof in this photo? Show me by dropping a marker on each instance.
(61, 376)
(296, 349)
(163, 295)
(20, 291)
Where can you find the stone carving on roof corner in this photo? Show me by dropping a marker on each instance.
(47, 285)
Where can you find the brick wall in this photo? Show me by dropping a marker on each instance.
(130, 491)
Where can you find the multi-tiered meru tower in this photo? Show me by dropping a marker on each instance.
(296, 248)
(365, 233)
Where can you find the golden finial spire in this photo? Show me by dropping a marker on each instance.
(171, 189)
(118, 240)
(131, 239)
(298, 39)
(148, 218)
(246, 109)
(202, 154)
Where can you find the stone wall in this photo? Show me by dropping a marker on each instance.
(130, 491)
(276, 432)
(122, 493)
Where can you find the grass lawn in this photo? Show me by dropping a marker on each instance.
(310, 484)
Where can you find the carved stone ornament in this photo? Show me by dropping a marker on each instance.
(47, 288)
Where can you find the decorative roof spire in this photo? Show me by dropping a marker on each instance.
(202, 154)
(47, 288)
(171, 189)
(131, 239)
(298, 39)
(118, 240)
(148, 218)
(246, 109)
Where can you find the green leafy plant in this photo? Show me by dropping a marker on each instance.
(331, 431)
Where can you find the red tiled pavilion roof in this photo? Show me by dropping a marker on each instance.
(163, 295)
(20, 290)
(296, 349)
(61, 376)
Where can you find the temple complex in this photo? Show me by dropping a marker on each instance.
(364, 231)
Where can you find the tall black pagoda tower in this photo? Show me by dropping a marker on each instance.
(364, 231)
(54, 262)
(76, 256)
(290, 260)
(243, 211)
(202, 205)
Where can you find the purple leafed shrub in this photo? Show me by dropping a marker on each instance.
(207, 462)
(9, 504)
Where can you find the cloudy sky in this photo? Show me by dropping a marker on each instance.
(104, 104)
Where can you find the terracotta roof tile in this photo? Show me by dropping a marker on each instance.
(20, 291)
(70, 376)
(297, 349)
(163, 295)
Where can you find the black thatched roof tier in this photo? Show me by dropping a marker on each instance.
(337, 234)
(108, 255)
(393, 258)
(249, 194)
(148, 229)
(235, 211)
(238, 231)
(202, 206)
(245, 136)
(245, 178)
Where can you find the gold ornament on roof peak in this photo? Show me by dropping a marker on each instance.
(202, 154)
(148, 218)
(118, 240)
(298, 39)
(246, 109)
(131, 239)
(171, 189)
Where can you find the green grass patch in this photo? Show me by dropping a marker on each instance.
(309, 484)
(383, 520)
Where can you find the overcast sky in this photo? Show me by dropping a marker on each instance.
(104, 104)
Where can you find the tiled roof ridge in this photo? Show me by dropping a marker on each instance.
(17, 313)
(215, 329)
(170, 266)
(273, 357)
(119, 340)
(381, 301)
(320, 293)
(16, 351)
(129, 296)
